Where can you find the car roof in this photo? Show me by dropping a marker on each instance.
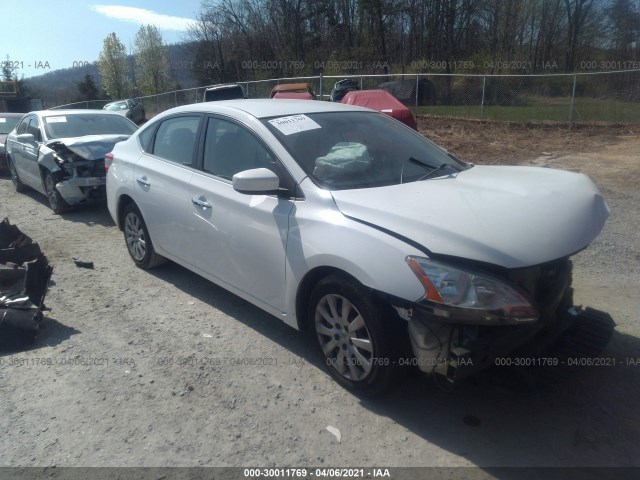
(263, 108)
(226, 86)
(284, 87)
(55, 113)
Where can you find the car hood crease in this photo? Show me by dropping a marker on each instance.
(90, 147)
(508, 216)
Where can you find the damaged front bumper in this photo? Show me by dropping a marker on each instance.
(24, 279)
(77, 168)
(459, 351)
(75, 190)
(453, 346)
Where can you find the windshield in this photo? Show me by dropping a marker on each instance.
(79, 125)
(347, 150)
(7, 124)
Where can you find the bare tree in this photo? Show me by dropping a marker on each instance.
(577, 12)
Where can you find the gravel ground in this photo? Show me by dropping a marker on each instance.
(163, 368)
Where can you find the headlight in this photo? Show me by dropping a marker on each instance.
(455, 287)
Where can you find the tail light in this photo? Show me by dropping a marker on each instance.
(108, 160)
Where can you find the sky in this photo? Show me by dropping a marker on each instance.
(55, 34)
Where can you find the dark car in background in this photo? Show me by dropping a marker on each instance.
(60, 153)
(8, 121)
(231, 91)
(130, 108)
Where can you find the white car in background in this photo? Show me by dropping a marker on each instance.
(60, 153)
(343, 221)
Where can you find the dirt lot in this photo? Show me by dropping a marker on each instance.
(137, 368)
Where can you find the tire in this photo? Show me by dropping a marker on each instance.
(56, 202)
(137, 239)
(355, 334)
(15, 179)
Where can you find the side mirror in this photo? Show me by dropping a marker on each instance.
(26, 138)
(256, 181)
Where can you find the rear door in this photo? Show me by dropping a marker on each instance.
(161, 184)
(239, 239)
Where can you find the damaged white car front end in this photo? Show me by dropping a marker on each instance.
(61, 153)
(77, 166)
(495, 268)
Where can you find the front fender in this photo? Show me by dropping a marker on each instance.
(320, 236)
(46, 159)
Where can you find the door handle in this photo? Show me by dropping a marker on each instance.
(200, 203)
(143, 181)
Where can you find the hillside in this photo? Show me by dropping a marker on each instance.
(59, 86)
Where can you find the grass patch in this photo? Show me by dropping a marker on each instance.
(544, 109)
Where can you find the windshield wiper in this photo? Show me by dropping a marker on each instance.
(414, 160)
(434, 171)
(429, 174)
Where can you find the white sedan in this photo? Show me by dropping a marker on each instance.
(344, 222)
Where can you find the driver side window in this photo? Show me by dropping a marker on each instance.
(230, 148)
(22, 128)
(33, 129)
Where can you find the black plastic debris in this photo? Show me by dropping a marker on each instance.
(24, 279)
(82, 263)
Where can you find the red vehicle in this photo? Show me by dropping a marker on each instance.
(294, 95)
(292, 88)
(383, 102)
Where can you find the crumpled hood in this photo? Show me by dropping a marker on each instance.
(89, 147)
(508, 216)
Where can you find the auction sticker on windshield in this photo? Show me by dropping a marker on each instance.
(60, 119)
(294, 124)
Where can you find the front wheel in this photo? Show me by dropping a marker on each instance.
(138, 240)
(56, 202)
(355, 334)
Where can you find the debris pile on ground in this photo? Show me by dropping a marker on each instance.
(24, 279)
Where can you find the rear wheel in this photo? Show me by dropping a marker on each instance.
(138, 240)
(355, 334)
(56, 202)
(15, 179)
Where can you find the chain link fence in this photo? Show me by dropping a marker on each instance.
(581, 97)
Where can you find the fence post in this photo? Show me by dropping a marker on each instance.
(484, 82)
(321, 97)
(361, 82)
(417, 88)
(175, 97)
(573, 94)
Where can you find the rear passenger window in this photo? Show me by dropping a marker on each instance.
(145, 137)
(176, 139)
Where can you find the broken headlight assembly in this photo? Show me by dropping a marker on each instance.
(463, 296)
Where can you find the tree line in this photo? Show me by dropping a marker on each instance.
(251, 39)
(239, 40)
